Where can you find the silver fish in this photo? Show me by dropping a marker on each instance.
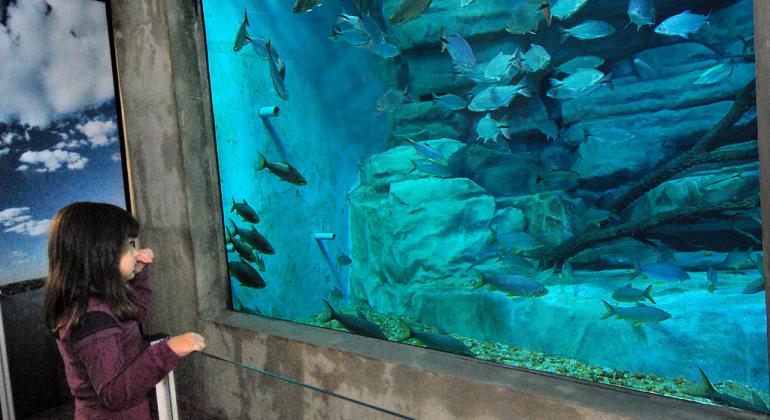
(590, 29)
(641, 13)
(500, 69)
(428, 152)
(578, 63)
(245, 274)
(252, 237)
(276, 74)
(244, 250)
(489, 129)
(305, 5)
(637, 315)
(245, 210)
(682, 25)
(242, 36)
(461, 53)
(438, 341)
(715, 74)
(525, 18)
(580, 80)
(282, 170)
(663, 271)
(563, 9)
(537, 58)
(495, 96)
(407, 10)
(512, 284)
(451, 101)
(630, 294)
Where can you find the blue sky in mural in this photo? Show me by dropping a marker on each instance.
(58, 124)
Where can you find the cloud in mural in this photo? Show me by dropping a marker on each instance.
(18, 220)
(99, 133)
(60, 61)
(51, 160)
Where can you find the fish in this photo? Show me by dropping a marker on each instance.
(516, 262)
(355, 324)
(578, 63)
(451, 101)
(407, 10)
(631, 294)
(391, 100)
(282, 170)
(536, 58)
(245, 211)
(260, 262)
(637, 315)
(495, 96)
(461, 53)
(590, 29)
(384, 50)
(563, 92)
(662, 271)
(756, 286)
(425, 150)
(682, 25)
(354, 37)
(443, 342)
(615, 135)
(520, 241)
(430, 168)
(305, 5)
(500, 68)
(563, 9)
(715, 74)
(512, 284)
(737, 259)
(343, 260)
(558, 176)
(252, 237)
(489, 129)
(711, 276)
(579, 81)
(246, 274)
(276, 75)
(245, 251)
(706, 390)
(242, 36)
(641, 13)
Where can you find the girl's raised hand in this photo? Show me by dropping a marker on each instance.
(144, 257)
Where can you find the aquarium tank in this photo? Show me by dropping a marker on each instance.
(568, 186)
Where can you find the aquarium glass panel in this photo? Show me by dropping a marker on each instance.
(59, 123)
(569, 186)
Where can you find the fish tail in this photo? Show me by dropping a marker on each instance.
(563, 34)
(331, 309)
(610, 310)
(413, 166)
(704, 389)
(648, 295)
(261, 161)
(245, 17)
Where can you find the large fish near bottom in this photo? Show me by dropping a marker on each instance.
(706, 390)
(512, 284)
(408, 10)
(277, 73)
(282, 170)
(356, 324)
(637, 315)
(439, 341)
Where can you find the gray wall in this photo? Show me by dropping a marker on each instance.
(163, 82)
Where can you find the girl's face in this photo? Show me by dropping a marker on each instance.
(128, 260)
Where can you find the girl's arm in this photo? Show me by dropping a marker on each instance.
(141, 282)
(120, 383)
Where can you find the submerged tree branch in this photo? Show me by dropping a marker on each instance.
(744, 100)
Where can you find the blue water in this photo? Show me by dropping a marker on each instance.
(466, 231)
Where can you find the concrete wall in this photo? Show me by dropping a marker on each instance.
(163, 82)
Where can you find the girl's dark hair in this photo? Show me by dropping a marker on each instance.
(85, 244)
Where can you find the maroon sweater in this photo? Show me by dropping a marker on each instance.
(110, 369)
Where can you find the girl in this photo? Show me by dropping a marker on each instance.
(96, 295)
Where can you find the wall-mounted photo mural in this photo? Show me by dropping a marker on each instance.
(59, 127)
(569, 186)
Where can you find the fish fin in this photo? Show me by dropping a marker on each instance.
(648, 295)
(705, 389)
(564, 34)
(331, 309)
(610, 310)
(232, 209)
(245, 17)
(261, 161)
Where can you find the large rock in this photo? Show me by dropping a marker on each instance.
(422, 231)
(553, 217)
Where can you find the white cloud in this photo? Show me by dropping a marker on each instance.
(115, 157)
(5, 151)
(74, 144)
(31, 228)
(99, 133)
(64, 136)
(14, 215)
(22, 168)
(40, 78)
(7, 138)
(52, 160)
(17, 220)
